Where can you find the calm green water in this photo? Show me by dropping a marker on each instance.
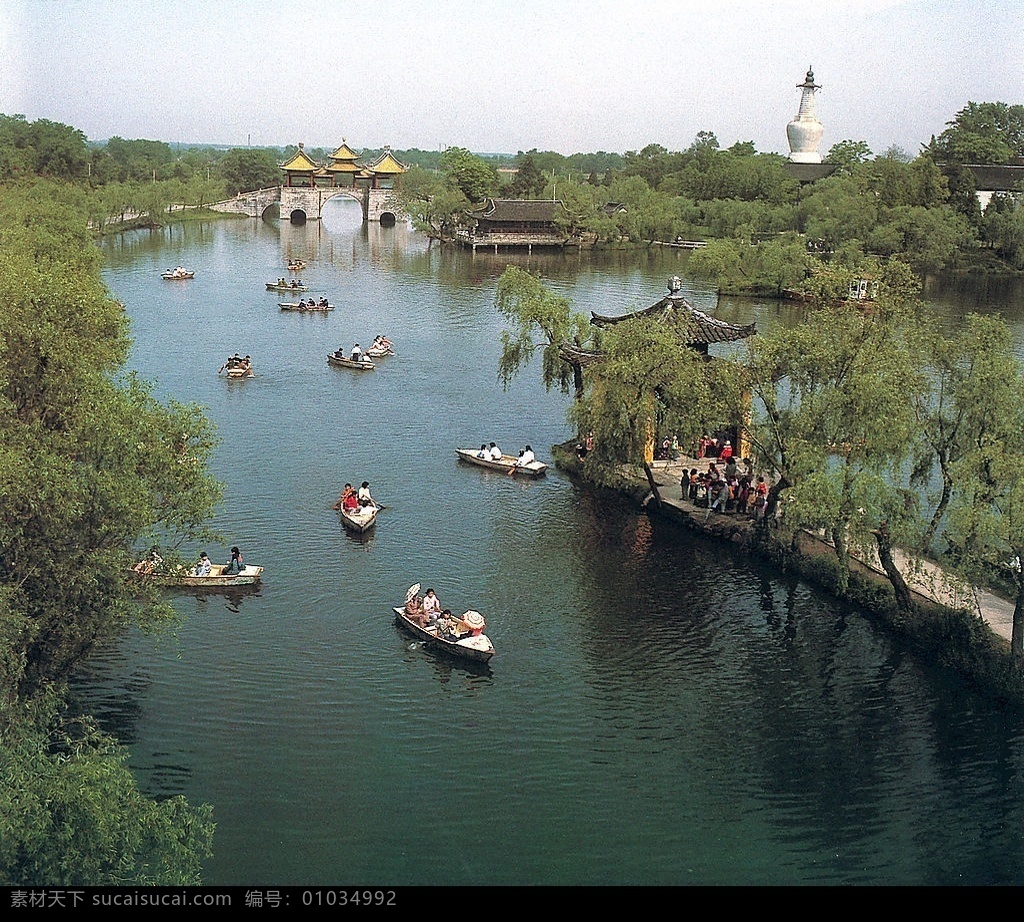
(659, 711)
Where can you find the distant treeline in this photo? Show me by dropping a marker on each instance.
(769, 229)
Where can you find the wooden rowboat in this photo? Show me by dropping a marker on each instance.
(241, 371)
(360, 519)
(217, 578)
(287, 286)
(304, 308)
(507, 463)
(476, 648)
(341, 362)
(378, 352)
(177, 274)
(296, 265)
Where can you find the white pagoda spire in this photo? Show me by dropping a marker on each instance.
(805, 131)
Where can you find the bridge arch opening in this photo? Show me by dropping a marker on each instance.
(341, 213)
(298, 216)
(387, 219)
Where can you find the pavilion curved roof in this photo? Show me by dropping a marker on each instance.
(700, 329)
(387, 163)
(300, 162)
(345, 153)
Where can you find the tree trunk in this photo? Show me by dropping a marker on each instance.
(1017, 633)
(843, 558)
(577, 380)
(772, 503)
(904, 599)
(653, 484)
(940, 509)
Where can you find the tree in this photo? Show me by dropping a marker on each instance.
(435, 207)
(93, 467)
(832, 417)
(648, 380)
(719, 261)
(1002, 227)
(987, 512)
(986, 132)
(247, 169)
(848, 153)
(964, 406)
(470, 174)
(529, 182)
(533, 309)
(71, 814)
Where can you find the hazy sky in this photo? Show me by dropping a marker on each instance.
(502, 76)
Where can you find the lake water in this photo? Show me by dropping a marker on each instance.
(659, 711)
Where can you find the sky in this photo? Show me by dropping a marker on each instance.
(503, 76)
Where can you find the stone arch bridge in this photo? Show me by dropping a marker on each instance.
(306, 204)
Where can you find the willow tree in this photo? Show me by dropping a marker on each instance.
(965, 405)
(93, 467)
(833, 418)
(540, 319)
(648, 377)
(986, 513)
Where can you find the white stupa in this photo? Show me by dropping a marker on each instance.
(805, 131)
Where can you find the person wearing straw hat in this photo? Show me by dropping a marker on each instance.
(473, 622)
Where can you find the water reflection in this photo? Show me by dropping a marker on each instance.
(232, 597)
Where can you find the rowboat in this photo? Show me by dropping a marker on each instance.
(304, 308)
(217, 578)
(507, 463)
(341, 362)
(287, 286)
(466, 645)
(359, 519)
(176, 274)
(378, 352)
(296, 265)
(237, 371)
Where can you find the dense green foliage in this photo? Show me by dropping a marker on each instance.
(71, 814)
(93, 468)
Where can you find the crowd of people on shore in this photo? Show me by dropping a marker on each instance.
(727, 488)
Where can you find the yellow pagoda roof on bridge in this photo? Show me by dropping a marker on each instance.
(300, 163)
(345, 153)
(387, 163)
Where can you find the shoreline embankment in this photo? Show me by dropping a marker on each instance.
(962, 627)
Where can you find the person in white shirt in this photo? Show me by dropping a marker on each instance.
(526, 457)
(203, 567)
(431, 609)
(483, 452)
(495, 452)
(363, 494)
(356, 352)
